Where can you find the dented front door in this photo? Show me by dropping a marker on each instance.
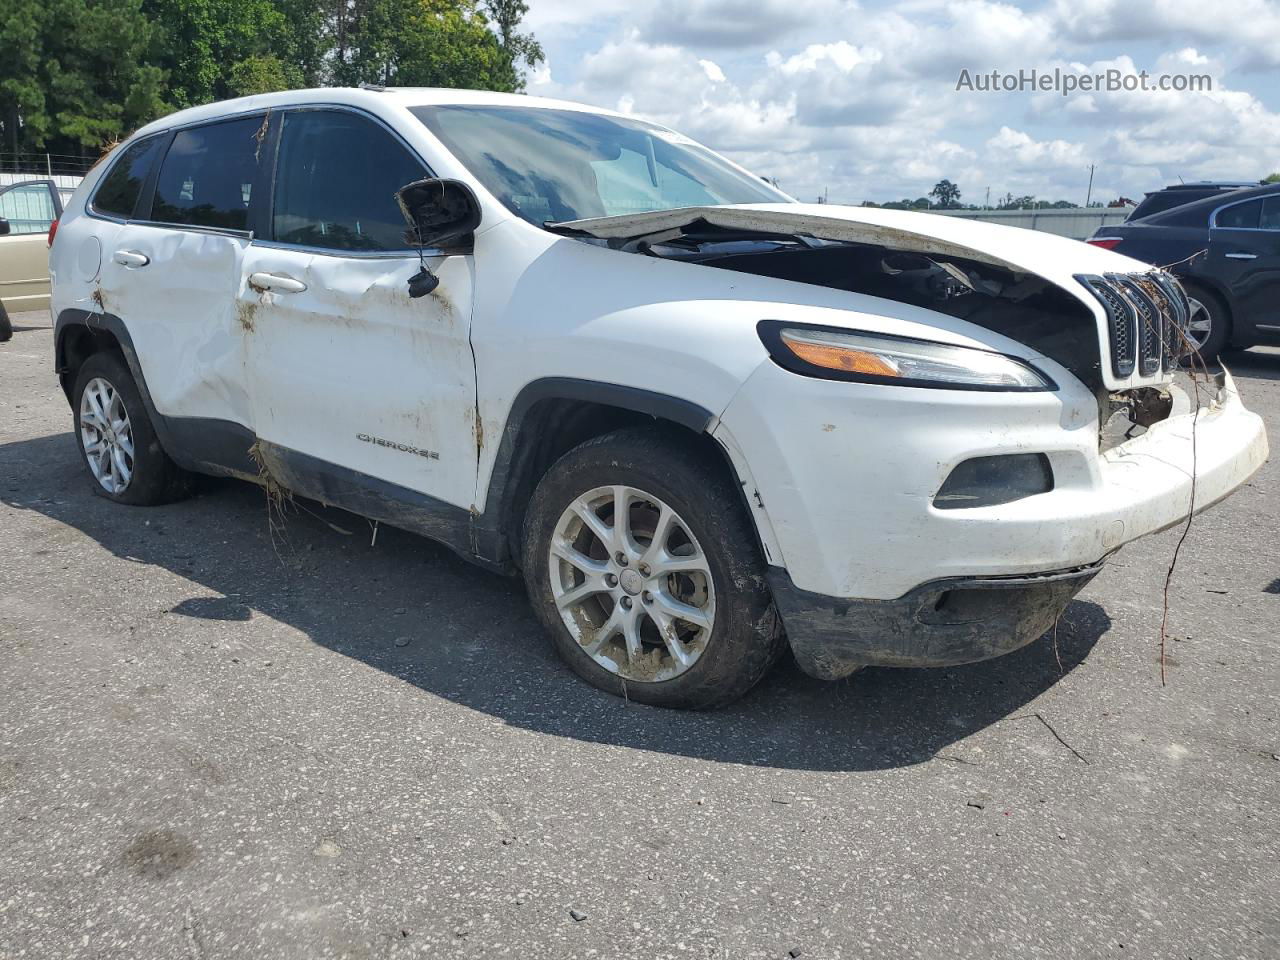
(346, 370)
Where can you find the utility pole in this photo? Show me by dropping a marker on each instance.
(1089, 196)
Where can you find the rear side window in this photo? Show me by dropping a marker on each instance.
(119, 190)
(208, 176)
(336, 180)
(1270, 214)
(1243, 216)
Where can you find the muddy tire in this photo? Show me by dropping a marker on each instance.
(117, 441)
(6, 325)
(672, 609)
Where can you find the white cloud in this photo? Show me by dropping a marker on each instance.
(866, 104)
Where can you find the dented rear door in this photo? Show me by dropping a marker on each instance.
(346, 370)
(170, 274)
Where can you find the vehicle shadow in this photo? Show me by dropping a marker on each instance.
(470, 637)
(1254, 364)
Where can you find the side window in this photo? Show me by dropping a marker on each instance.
(208, 175)
(1270, 213)
(1243, 216)
(28, 208)
(118, 193)
(336, 180)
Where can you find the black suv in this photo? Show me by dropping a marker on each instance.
(1175, 195)
(1225, 249)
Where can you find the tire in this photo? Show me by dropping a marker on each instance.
(152, 478)
(6, 325)
(708, 530)
(1219, 319)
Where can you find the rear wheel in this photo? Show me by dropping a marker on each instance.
(1210, 324)
(641, 563)
(117, 440)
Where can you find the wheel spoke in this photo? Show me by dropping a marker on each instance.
(125, 441)
(578, 559)
(623, 540)
(93, 448)
(606, 632)
(661, 534)
(588, 588)
(667, 630)
(603, 532)
(121, 469)
(679, 610)
(670, 563)
(631, 633)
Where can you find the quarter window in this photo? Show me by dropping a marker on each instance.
(208, 175)
(1243, 216)
(28, 208)
(1270, 213)
(336, 181)
(119, 190)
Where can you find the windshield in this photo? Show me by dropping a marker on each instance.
(555, 165)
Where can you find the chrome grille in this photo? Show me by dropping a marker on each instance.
(1151, 321)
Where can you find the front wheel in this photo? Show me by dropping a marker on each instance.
(642, 565)
(6, 325)
(116, 439)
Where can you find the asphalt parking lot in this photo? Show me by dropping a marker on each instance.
(216, 742)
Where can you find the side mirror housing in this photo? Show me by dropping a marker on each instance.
(440, 213)
(4, 227)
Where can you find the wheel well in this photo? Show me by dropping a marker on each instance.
(553, 427)
(1206, 287)
(76, 345)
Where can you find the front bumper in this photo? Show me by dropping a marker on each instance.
(938, 624)
(845, 475)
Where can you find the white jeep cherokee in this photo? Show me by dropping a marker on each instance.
(701, 419)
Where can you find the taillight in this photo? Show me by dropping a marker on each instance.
(1106, 243)
(53, 232)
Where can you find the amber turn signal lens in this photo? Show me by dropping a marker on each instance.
(847, 359)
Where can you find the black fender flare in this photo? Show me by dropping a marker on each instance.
(489, 536)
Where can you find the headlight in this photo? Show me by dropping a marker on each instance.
(836, 354)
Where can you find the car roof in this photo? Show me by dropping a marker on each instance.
(369, 97)
(1213, 202)
(1207, 185)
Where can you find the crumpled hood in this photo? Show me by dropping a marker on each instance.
(1055, 258)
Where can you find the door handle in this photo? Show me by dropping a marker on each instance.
(275, 283)
(1241, 256)
(131, 258)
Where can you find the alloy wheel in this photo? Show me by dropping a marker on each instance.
(632, 584)
(106, 435)
(1199, 324)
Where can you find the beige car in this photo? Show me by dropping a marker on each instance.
(27, 210)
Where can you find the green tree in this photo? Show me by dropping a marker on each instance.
(947, 194)
(1274, 178)
(74, 74)
(518, 49)
(203, 43)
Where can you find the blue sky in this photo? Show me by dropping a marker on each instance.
(858, 97)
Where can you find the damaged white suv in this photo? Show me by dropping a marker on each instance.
(704, 421)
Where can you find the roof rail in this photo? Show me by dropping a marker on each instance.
(376, 87)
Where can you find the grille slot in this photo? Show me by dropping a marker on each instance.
(1151, 321)
(1121, 323)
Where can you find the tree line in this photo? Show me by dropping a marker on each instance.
(78, 75)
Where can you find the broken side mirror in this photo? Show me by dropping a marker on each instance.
(4, 227)
(440, 213)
